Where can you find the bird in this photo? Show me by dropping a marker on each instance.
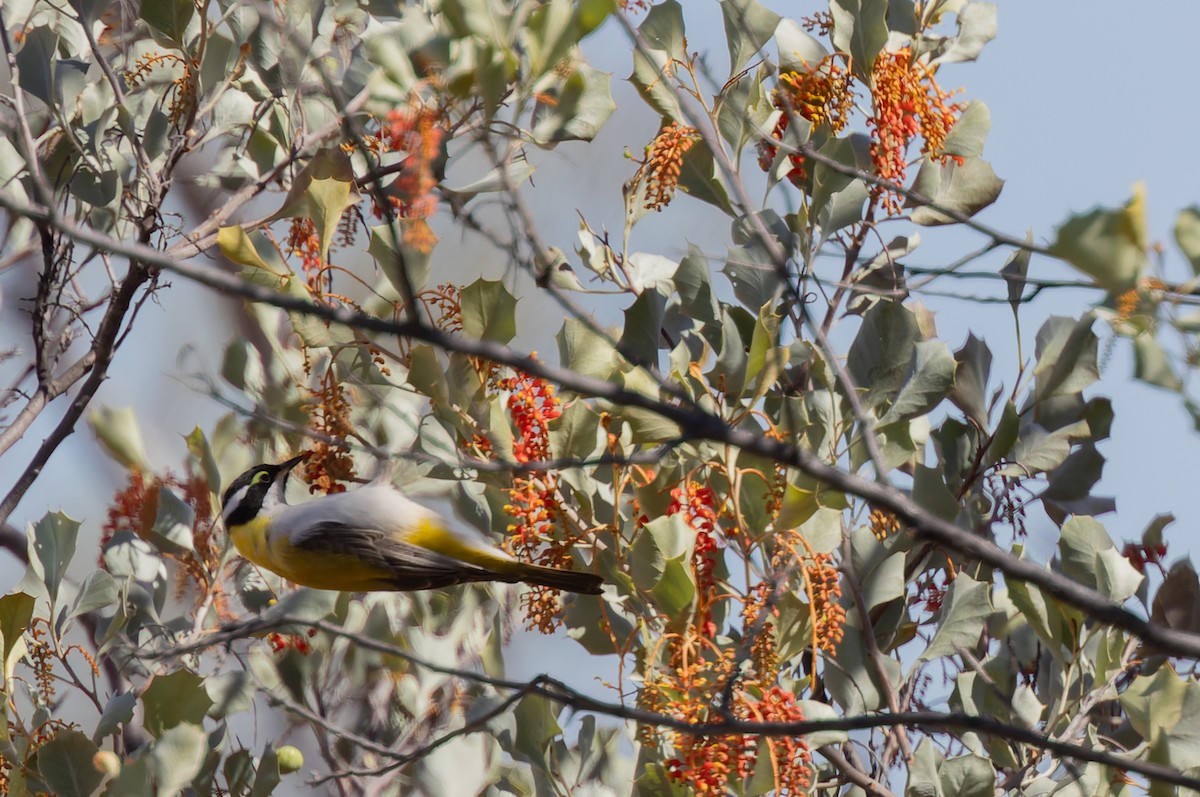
(367, 540)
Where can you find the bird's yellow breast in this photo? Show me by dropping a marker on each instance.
(308, 568)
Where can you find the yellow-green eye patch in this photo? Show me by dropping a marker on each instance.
(261, 476)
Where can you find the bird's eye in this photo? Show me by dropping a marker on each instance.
(260, 477)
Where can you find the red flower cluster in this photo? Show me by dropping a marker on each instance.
(532, 404)
(417, 130)
(825, 589)
(908, 103)
(698, 504)
(281, 643)
(535, 534)
(1140, 555)
(823, 95)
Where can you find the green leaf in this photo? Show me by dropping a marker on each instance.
(965, 189)
(537, 726)
(798, 50)
(651, 272)
(964, 612)
(169, 17)
(694, 287)
(266, 774)
(968, 776)
(500, 178)
(1039, 451)
(174, 699)
(16, 611)
(322, 190)
(859, 28)
(54, 539)
(1067, 360)
(803, 498)
(65, 764)
(117, 711)
(853, 683)
(119, 434)
(1105, 245)
(584, 351)
(748, 26)
(255, 251)
(967, 137)
(663, 32)
(178, 755)
(134, 780)
(406, 268)
(98, 591)
(1090, 557)
(643, 331)
(829, 183)
(1152, 365)
(1014, 272)
(129, 556)
(675, 591)
(201, 451)
(753, 276)
(702, 178)
(489, 311)
(930, 491)
(930, 378)
(1187, 236)
(883, 351)
(581, 107)
(976, 27)
(881, 574)
(171, 532)
(973, 365)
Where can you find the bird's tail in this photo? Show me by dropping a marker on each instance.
(568, 580)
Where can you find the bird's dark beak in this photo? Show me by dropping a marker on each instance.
(286, 467)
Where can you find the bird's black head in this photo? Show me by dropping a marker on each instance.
(263, 484)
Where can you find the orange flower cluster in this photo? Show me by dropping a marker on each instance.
(908, 102)
(126, 512)
(791, 758)
(883, 524)
(419, 131)
(135, 508)
(822, 580)
(820, 22)
(182, 93)
(445, 300)
(823, 95)
(664, 163)
(329, 464)
(535, 534)
(698, 505)
(690, 690)
(304, 242)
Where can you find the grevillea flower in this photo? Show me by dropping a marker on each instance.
(697, 504)
(659, 173)
(908, 102)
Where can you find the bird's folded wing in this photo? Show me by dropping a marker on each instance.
(402, 565)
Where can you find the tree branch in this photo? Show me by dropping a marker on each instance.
(694, 423)
(555, 690)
